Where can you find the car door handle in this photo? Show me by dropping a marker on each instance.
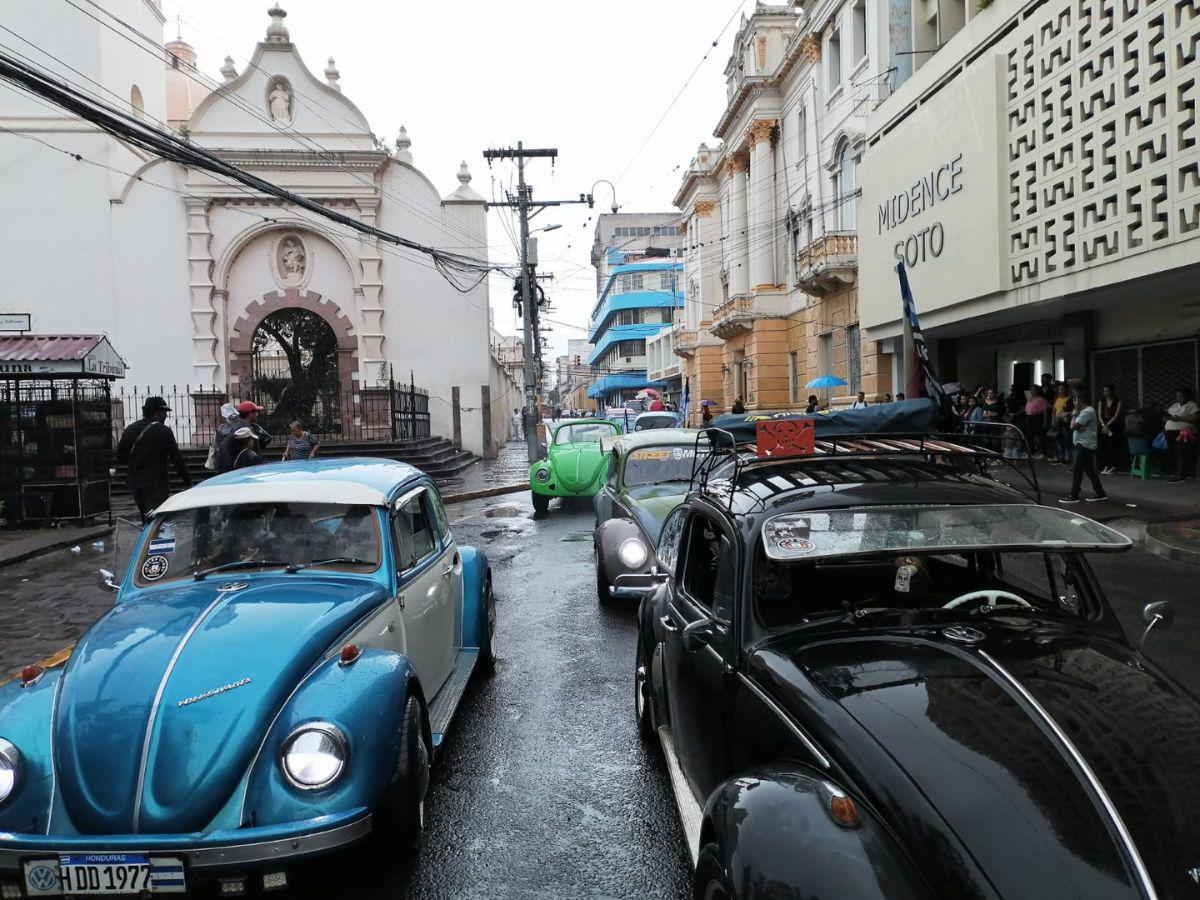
(666, 623)
(448, 571)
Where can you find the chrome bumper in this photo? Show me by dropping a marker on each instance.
(222, 850)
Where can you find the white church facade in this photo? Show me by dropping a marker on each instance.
(205, 283)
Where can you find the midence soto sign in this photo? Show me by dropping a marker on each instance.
(924, 194)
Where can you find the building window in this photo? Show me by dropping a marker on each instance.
(794, 376)
(845, 186)
(835, 60)
(858, 13)
(825, 354)
(136, 101)
(802, 132)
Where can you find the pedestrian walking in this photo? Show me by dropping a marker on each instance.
(738, 407)
(301, 444)
(145, 448)
(244, 448)
(813, 404)
(707, 417)
(1085, 429)
(1112, 430)
(861, 402)
(247, 412)
(1182, 419)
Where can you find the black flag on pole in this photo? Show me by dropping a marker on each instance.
(920, 378)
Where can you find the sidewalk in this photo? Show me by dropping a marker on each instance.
(18, 546)
(509, 468)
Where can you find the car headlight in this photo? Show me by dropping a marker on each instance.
(632, 553)
(10, 768)
(314, 756)
(542, 475)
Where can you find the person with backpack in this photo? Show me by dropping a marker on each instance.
(146, 447)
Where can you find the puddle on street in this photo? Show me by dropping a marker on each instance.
(502, 512)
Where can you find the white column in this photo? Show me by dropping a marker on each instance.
(204, 299)
(736, 242)
(373, 362)
(762, 206)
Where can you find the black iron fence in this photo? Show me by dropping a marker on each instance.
(382, 413)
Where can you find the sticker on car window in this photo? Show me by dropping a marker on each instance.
(161, 545)
(795, 545)
(654, 454)
(166, 531)
(154, 568)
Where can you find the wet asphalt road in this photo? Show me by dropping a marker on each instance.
(542, 788)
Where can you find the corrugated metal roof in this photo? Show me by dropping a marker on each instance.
(47, 347)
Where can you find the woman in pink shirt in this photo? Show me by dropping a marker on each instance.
(1037, 418)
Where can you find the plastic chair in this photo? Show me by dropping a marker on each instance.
(1139, 457)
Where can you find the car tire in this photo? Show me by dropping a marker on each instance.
(541, 503)
(711, 881)
(602, 582)
(643, 701)
(402, 816)
(487, 647)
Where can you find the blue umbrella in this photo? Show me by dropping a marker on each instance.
(826, 381)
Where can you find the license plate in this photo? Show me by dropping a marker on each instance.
(85, 874)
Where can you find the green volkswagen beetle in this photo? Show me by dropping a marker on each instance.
(574, 465)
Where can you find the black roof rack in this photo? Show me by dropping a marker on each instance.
(983, 447)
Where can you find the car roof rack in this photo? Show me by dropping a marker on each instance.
(983, 446)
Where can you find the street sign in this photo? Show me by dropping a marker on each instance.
(16, 322)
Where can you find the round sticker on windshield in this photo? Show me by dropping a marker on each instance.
(154, 568)
(795, 545)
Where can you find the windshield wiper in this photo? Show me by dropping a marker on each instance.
(344, 560)
(241, 564)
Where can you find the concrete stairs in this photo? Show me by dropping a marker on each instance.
(434, 456)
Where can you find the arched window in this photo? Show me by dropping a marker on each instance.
(136, 101)
(845, 186)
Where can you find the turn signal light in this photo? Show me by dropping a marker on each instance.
(840, 806)
(350, 653)
(31, 675)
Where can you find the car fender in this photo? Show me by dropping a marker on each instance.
(26, 716)
(607, 540)
(542, 487)
(775, 837)
(476, 574)
(366, 701)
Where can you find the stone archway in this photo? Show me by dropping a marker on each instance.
(339, 410)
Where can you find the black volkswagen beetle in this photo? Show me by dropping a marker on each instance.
(876, 672)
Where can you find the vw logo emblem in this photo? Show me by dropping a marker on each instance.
(1194, 874)
(43, 878)
(964, 634)
(232, 586)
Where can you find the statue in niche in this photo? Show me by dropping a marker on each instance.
(292, 260)
(280, 102)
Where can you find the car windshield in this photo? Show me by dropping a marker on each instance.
(245, 536)
(862, 531)
(582, 432)
(655, 465)
(657, 420)
(922, 585)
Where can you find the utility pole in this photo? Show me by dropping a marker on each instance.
(529, 309)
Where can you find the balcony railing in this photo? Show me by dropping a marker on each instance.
(828, 263)
(738, 314)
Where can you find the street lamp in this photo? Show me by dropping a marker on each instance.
(546, 228)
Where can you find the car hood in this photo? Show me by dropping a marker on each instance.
(988, 762)
(650, 504)
(167, 698)
(576, 465)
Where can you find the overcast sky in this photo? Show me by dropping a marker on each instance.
(590, 79)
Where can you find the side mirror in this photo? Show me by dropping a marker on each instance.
(107, 580)
(642, 581)
(697, 635)
(1160, 612)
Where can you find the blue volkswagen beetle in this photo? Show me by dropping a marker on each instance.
(286, 651)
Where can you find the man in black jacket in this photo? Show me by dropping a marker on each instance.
(146, 447)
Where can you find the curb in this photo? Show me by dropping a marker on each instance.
(57, 544)
(485, 492)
